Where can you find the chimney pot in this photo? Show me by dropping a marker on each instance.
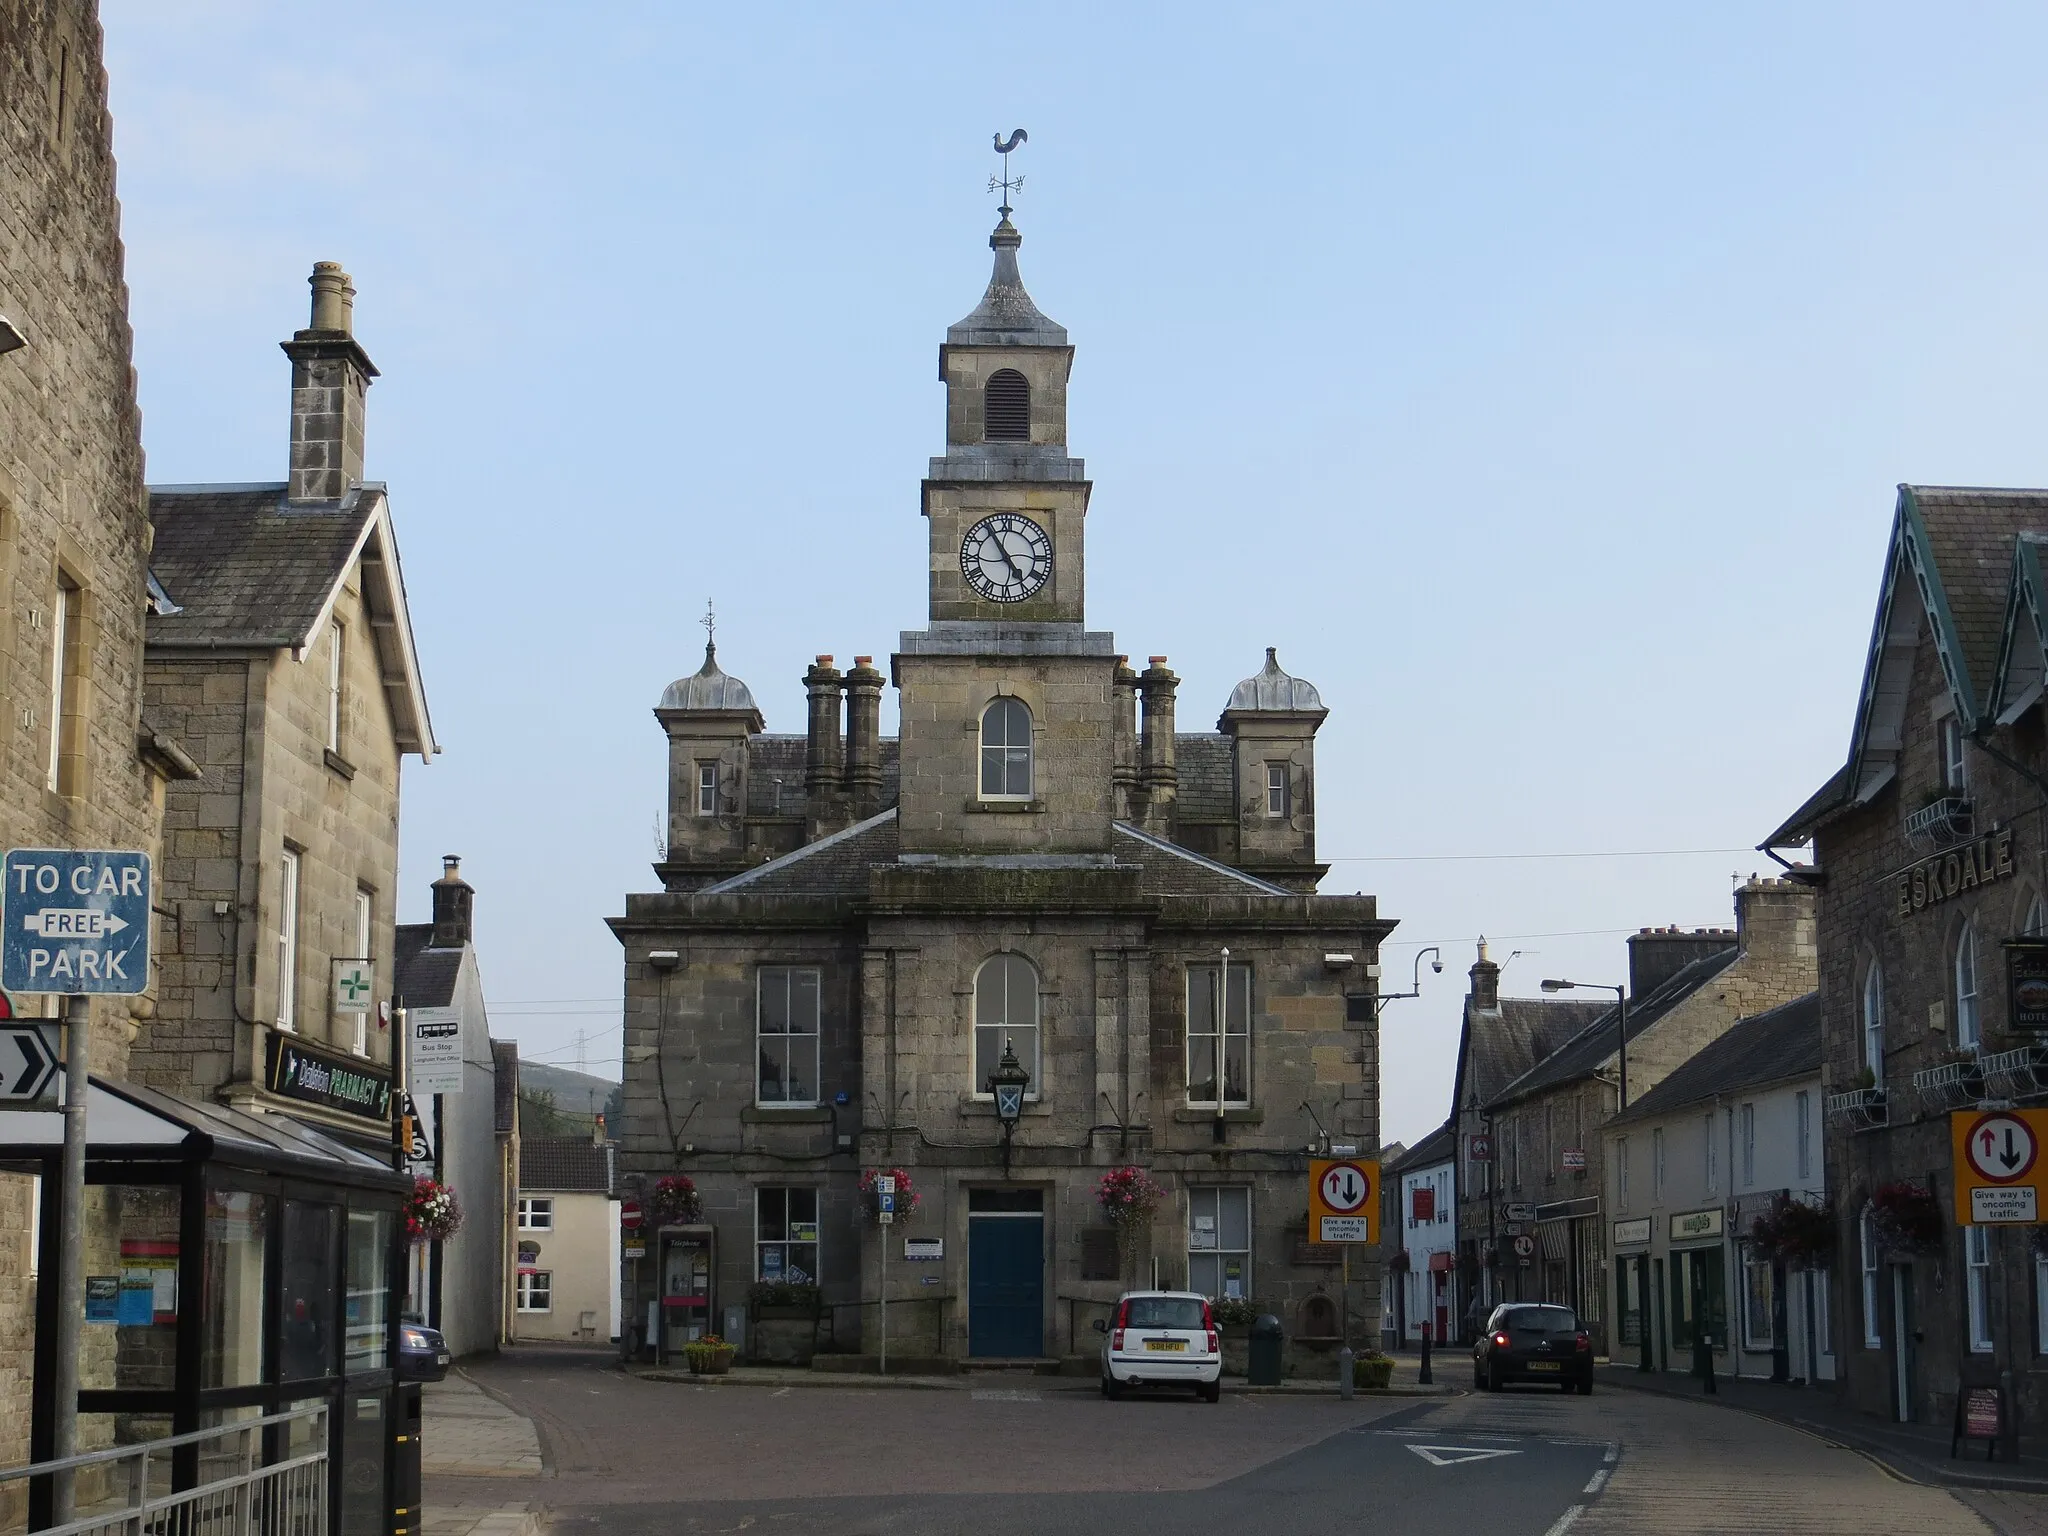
(333, 298)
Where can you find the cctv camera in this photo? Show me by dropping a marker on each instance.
(1437, 966)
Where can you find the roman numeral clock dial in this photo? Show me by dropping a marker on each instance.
(1006, 558)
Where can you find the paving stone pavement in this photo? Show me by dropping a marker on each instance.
(466, 1433)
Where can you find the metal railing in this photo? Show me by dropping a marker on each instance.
(237, 1494)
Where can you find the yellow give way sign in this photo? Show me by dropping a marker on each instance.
(1343, 1200)
(1998, 1164)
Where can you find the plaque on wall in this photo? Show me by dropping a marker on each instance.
(2026, 971)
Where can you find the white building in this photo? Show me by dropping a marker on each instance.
(1690, 1165)
(1424, 1290)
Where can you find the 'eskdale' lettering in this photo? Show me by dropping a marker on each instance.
(1948, 875)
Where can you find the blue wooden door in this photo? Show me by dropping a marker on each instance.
(1006, 1286)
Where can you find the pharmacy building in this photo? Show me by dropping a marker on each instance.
(1038, 938)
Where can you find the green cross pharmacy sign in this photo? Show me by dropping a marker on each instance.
(355, 985)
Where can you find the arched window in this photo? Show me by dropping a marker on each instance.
(2035, 923)
(1873, 1023)
(1006, 407)
(1006, 750)
(1005, 1013)
(1968, 1027)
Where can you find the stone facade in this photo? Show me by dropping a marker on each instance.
(924, 901)
(1945, 775)
(72, 516)
(282, 656)
(1677, 1005)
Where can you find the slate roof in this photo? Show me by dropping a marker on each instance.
(565, 1165)
(1437, 1147)
(772, 756)
(426, 976)
(1970, 534)
(1171, 870)
(1583, 1054)
(1500, 1047)
(1207, 766)
(836, 865)
(239, 566)
(505, 1083)
(1771, 1047)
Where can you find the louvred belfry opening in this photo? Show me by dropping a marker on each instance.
(1006, 407)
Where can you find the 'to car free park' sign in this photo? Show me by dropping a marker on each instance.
(74, 921)
(1998, 1166)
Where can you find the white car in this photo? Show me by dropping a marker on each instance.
(1162, 1339)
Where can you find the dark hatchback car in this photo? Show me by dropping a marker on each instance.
(422, 1353)
(1527, 1341)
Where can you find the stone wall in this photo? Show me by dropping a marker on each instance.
(71, 502)
(1862, 855)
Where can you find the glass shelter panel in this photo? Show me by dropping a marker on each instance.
(131, 1288)
(307, 1304)
(366, 1310)
(237, 1254)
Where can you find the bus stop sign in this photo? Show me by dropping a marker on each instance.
(75, 921)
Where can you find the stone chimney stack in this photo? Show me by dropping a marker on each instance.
(1158, 777)
(864, 736)
(453, 896)
(1776, 920)
(1485, 982)
(1655, 955)
(822, 760)
(330, 384)
(1124, 740)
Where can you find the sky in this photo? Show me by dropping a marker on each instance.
(1536, 380)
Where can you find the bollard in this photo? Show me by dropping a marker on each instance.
(1345, 1373)
(1703, 1362)
(1422, 1376)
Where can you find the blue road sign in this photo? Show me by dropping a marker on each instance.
(74, 920)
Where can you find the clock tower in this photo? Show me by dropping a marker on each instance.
(1008, 701)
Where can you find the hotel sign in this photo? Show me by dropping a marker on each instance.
(1946, 876)
(2026, 970)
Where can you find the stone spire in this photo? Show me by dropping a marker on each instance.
(1006, 317)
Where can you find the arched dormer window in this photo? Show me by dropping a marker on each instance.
(1969, 1022)
(1873, 1023)
(1006, 750)
(1006, 407)
(1005, 1013)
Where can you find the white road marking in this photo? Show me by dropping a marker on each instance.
(1454, 1455)
(1004, 1395)
(1613, 1452)
(780, 1392)
(1566, 1520)
(1599, 1481)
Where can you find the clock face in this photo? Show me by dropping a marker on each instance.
(1006, 558)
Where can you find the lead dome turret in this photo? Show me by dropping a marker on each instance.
(708, 688)
(1270, 689)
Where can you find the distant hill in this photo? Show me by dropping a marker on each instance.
(573, 1093)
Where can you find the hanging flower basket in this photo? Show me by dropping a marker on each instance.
(432, 1215)
(1907, 1219)
(1795, 1234)
(675, 1202)
(1127, 1196)
(907, 1196)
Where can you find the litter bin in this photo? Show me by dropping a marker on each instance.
(1263, 1369)
(405, 1471)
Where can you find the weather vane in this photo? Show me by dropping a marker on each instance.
(1007, 182)
(710, 623)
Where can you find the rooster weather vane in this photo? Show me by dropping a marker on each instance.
(1007, 182)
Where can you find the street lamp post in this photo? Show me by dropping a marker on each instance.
(1620, 1028)
(1007, 1084)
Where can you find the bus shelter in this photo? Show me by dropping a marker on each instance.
(236, 1265)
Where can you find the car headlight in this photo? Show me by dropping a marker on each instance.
(414, 1339)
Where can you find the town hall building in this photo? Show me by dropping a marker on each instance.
(1040, 874)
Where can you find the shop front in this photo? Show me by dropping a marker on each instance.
(236, 1265)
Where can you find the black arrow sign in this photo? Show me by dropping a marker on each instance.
(23, 1086)
(2012, 1155)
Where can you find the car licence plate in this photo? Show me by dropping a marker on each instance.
(1179, 1345)
(440, 1359)
(1546, 1365)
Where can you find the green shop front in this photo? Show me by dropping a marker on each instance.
(236, 1265)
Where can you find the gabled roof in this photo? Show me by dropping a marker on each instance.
(1171, 870)
(834, 865)
(2023, 654)
(1587, 1051)
(1498, 1046)
(1772, 1047)
(244, 569)
(565, 1165)
(1437, 1147)
(1954, 563)
(426, 976)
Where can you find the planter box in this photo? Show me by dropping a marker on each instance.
(706, 1362)
(783, 1336)
(1237, 1348)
